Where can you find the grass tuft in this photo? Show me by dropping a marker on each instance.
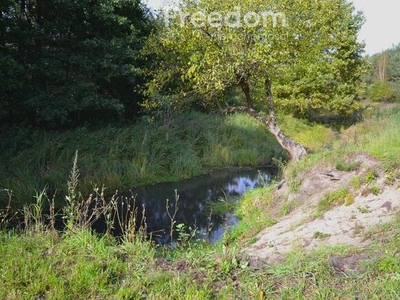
(332, 199)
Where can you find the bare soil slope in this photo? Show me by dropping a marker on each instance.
(369, 203)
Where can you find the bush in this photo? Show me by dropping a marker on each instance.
(380, 91)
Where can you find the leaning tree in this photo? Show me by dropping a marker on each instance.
(304, 52)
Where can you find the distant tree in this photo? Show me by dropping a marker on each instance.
(382, 67)
(304, 52)
(384, 77)
(394, 71)
(64, 62)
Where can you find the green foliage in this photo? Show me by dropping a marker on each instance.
(384, 75)
(40, 263)
(390, 179)
(371, 176)
(222, 206)
(66, 266)
(384, 132)
(33, 213)
(320, 235)
(356, 182)
(67, 63)
(375, 190)
(294, 185)
(367, 137)
(313, 136)
(380, 91)
(285, 209)
(187, 236)
(314, 63)
(363, 209)
(388, 264)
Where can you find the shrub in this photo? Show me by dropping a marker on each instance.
(380, 91)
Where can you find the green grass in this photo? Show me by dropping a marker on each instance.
(356, 182)
(377, 136)
(320, 235)
(38, 263)
(315, 137)
(347, 166)
(79, 264)
(332, 199)
(123, 157)
(254, 212)
(377, 131)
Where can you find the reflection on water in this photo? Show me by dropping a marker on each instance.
(195, 196)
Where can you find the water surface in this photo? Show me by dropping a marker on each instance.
(195, 196)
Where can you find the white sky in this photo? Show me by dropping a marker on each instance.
(156, 3)
(380, 31)
(382, 27)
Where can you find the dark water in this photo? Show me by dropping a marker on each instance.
(195, 196)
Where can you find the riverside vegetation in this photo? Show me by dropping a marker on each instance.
(72, 76)
(39, 262)
(124, 157)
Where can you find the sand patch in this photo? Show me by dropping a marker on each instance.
(342, 224)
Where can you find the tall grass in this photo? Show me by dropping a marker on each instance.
(123, 157)
(379, 136)
(315, 137)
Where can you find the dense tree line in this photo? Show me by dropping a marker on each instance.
(67, 62)
(383, 79)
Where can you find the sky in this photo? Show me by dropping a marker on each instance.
(380, 31)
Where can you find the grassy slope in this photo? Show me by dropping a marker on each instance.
(120, 158)
(78, 264)
(378, 136)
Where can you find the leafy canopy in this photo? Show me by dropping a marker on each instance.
(308, 49)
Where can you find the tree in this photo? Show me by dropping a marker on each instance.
(65, 62)
(381, 89)
(381, 67)
(384, 75)
(394, 71)
(305, 52)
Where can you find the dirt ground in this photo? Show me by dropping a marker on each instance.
(343, 224)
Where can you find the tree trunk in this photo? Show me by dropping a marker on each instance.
(296, 150)
(244, 85)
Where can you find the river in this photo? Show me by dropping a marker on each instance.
(195, 202)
